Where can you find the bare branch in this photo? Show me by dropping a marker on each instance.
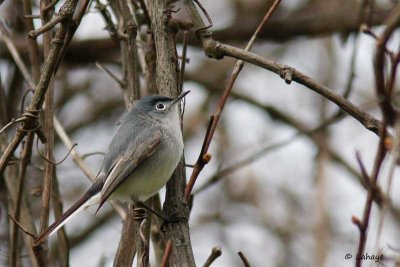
(215, 253)
(203, 158)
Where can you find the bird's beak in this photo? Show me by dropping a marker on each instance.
(178, 98)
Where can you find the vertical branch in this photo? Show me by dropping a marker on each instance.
(154, 222)
(384, 96)
(150, 53)
(48, 126)
(384, 93)
(25, 215)
(157, 236)
(167, 83)
(129, 53)
(26, 152)
(150, 71)
(72, 27)
(23, 163)
(126, 248)
(143, 222)
(63, 244)
(33, 47)
(166, 57)
(372, 192)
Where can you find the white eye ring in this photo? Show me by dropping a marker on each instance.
(160, 106)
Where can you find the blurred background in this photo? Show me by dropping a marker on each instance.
(273, 190)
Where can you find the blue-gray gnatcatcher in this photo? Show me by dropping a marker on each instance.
(140, 158)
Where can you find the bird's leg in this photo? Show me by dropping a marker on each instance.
(166, 219)
(157, 213)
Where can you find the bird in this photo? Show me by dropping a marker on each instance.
(140, 158)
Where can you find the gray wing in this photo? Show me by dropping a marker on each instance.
(135, 154)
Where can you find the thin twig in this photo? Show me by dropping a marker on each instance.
(167, 253)
(215, 253)
(31, 16)
(244, 259)
(217, 114)
(26, 231)
(16, 56)
(388, 189)
(112, 75)
(110, 27)
(52, 161)
(364, 223)
(73, 24)
(51, 5)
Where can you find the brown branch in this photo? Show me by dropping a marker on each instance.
(64, 14)
(48, 167)
(110, 27)
(31, 115)
(384, 93)
(27, 148)
(150, 70)
(73, 25)
(146, 15)
(167, 82)
(156, 233)
(290, 74)
(215, 253)
(112, 75)
(16, 56)
(372, 192)
(202, 159)
(51, 5)
(167, 253)
(26, 218)
(23, 164)
(244, 259)
(63, 243)
(23, 229)
(129, 54)
(126, 248)
(218, 50)
(142, 228)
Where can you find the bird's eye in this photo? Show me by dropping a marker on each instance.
(160, 106)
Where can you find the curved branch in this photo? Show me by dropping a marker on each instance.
(289, 74)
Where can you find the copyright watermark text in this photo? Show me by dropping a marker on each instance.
(366, 257)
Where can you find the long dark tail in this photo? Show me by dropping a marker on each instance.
(89, 198)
